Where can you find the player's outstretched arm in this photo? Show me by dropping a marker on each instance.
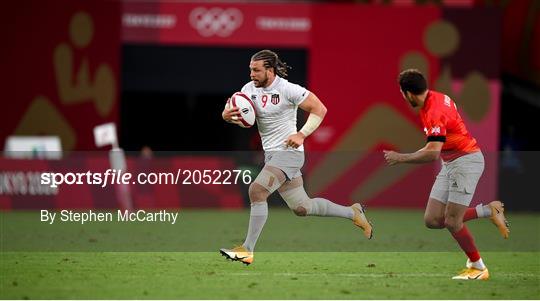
(313, 105)
(316, 109)
(428, 153)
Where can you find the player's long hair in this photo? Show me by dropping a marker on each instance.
(271, 60)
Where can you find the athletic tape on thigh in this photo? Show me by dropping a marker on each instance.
(268, 180)
(296, 197)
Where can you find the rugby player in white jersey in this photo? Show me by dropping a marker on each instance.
(276, 102)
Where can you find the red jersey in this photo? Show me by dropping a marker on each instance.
(443, 123)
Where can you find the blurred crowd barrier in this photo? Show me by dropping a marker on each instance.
(88, 181)
(85, 180)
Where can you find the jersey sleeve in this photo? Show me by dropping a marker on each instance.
(435, 127)
(296, 94)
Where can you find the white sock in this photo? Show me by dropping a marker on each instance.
(479, 264)
(324, 207)
(257, 219)
(483, 210)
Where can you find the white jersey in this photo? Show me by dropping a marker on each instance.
(276, 108)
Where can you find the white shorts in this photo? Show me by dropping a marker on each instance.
(289, 161)
(457, 180)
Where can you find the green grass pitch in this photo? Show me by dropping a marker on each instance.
(296, 258)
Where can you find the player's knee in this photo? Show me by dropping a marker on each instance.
(434, 222)
(298, 200)
(300, 211)
(257, 193)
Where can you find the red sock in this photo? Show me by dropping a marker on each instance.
(466, 242)
(470, 214)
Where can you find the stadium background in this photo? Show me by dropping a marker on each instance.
(156, 71)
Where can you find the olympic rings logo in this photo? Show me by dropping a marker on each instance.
(215, 21)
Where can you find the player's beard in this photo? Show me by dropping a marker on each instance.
(261, 83)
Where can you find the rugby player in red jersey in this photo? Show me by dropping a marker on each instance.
(462, 166)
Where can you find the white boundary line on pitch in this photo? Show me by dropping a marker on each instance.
(373, 275)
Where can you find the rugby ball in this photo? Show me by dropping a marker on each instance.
(247, 109)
